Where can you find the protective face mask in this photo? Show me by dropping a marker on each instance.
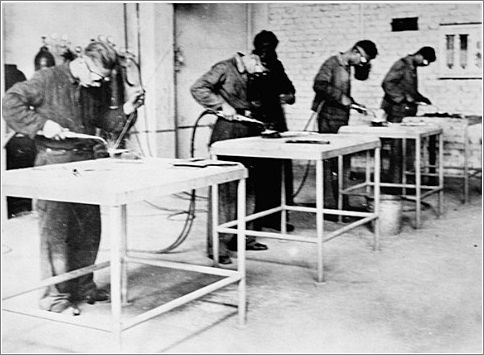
(253, 64)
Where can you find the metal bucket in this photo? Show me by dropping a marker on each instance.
(390, 213)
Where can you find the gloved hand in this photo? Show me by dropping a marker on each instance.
(228, 111)
(135, 100)
(346, 100)
(53, 130)
(424, 100)
(287, 99)
(100, 151)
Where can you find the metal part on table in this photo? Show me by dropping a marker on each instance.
(69, 134)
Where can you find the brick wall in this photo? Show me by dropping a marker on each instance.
(311, 32)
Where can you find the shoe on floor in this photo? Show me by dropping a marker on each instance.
(252, 245)
(65, 307)
(97, 295)
(223, 259)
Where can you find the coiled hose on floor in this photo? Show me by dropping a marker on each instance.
(187, 226)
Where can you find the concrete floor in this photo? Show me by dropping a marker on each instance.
(422, 293)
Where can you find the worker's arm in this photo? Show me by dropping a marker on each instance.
(393, 84)
(18, 106)
(324, 87)
(205, 89)
(287, 91)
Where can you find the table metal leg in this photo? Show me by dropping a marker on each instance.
(340, 186)
(404, 166)
(441, 174)
(213, 191)
(241, 212)
(418, 183)
(215, 239)
(283, 199)
(319, 217)
(115, 226)
(123, 247)
(367, 172)
(466, 166)
(376, 196)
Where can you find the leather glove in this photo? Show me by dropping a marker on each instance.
(135, 100)
(287, 99)
(228, 111)
(100, 151)
(53, 130)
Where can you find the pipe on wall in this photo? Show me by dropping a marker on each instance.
(249, 26)
(361, 24)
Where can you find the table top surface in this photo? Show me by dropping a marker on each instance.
(113, 181)
(439, 120)
(394, 130)
(295, 145)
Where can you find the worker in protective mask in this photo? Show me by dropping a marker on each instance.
(402, 98)
(243, 85)
(71, 97)
(277, 90)
(333, 101)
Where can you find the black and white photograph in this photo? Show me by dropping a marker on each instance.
(229, 177)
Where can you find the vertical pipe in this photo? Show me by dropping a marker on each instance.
(175, 103)
(360, 20)
(418, 209)
(125, 19)
(241, 212)
(249, 26)
(319, 217)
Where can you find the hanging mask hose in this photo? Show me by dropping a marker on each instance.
(126, 80)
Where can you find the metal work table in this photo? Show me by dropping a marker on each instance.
(456, 130)
(305, 146)
(114, 183)
(417, 132)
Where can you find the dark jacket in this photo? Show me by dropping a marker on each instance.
(228, 81)
(331, 84)
(54, 94)
(401, 90)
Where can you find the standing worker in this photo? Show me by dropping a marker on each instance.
(276, 91)
(71, 97)
(254, 86)
(333, 101)
(402, 98)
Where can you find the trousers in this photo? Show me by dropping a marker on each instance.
(70, 234)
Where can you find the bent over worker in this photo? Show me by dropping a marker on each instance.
(402, 98)
(72, 97)
(254, 86)
(333, 101)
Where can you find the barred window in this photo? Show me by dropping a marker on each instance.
(460, 51)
